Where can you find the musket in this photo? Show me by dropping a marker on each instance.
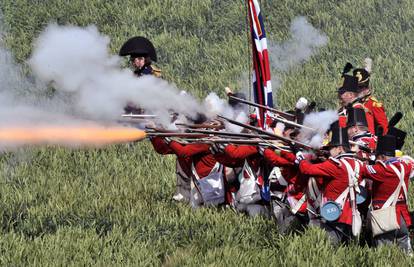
(361, 146)
(230, 134)
(238, 142)
(294, 124)
(176, 134)
(140, 116)
(250, 103)
(282, 138)
(200, 126)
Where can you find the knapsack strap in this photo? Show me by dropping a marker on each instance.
(392, 200)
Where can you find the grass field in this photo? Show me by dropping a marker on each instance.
(113, 205)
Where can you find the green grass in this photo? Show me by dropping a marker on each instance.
(113, 206)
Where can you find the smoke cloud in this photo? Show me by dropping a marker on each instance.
(89, 85)
(76, 61)
(214, 105)
(305, 41)
(320, 121)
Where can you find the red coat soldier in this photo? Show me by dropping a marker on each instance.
(370, 103)
(288, 208)
(207, 183)
(183, 169)
(390, 177)
(250, 197)
(348, 95)
(363, 141)
(340, 178)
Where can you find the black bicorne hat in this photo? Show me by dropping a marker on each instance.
(338, 136)
(363, 77)
(138, 46)
(198, 118)
(386, 145)
(356, 117)
(350, 84)
(235, 103)
(399, 136)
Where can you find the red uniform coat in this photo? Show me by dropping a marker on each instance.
(200, 156)
(161, 147)
(368, 115)
(296, 182)
(244, 152)
(384, 183)
(377, 111)
(335, 179)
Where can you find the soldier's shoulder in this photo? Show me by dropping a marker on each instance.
(156, 71)
(375, 102)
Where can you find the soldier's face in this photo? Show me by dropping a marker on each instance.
(138, 62)
(335, 151)
(347, 97)
(352, 131)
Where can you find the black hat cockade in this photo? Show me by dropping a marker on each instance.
(386, 145)
(338, 136)
(138, 46)
(362, 74)
(356, 117)
(350, 84)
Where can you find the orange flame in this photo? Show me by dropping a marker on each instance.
(68, 135)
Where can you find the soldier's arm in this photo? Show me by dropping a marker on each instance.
(276, 160)
(240, 152)
(188, 150)
(324, 169)
(373, 172)
(227, 161)
(160, 146)
(378, 111)
(380, 117)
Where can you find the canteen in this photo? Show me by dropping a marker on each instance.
(362, 195)
(331, 211)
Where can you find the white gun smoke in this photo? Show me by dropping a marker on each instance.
(320, 121)
(77, 61)
(305, 42)
(21, 100)
(214, 105)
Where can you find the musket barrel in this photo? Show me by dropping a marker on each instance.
(139, 116)
(238, 142)
(294, 124)
(282, 138)
(199, 126)
(230, 134)
(174, 134)
(285, 114)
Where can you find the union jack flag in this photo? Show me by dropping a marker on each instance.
(262, 87)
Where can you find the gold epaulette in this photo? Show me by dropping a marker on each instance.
(156, 71)
(376, 103)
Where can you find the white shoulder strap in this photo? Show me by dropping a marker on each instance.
(299, 204)
(392, 200)
(217, 168)
(313, 189)
(352, 182)
(193, 170)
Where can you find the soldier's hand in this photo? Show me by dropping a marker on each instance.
(299, 157)
(216, 148)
